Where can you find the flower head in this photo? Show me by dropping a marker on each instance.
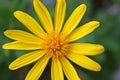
(54, 41)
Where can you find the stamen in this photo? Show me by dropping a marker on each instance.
(55, 45)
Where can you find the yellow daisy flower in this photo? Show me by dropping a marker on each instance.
(54, 41)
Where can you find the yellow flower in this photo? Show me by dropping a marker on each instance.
(54, 41)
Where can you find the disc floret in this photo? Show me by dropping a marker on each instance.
(55, 45)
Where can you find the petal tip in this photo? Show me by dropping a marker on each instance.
(99, 68)
(7, 32)
(35, 1)
(11, 67)
(16, 13)
(4, 46)
(84, 6)
(103, 48)
(97, 22)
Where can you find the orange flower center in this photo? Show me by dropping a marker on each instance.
(55, 45)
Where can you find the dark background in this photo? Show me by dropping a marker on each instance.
(108, 34)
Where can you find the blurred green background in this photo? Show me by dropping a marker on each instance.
(108, 34)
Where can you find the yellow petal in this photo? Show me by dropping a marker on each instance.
(43, 15)
(23, 36)
(86, 48)
(56, 70)
(30, 23)
(26, 59)
(37, 69)
(84, 62)
(74, 19)
(83, 30)
(68, 69)
(59, 15)
(17, 45)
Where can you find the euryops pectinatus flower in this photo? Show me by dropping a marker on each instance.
(54, 41)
